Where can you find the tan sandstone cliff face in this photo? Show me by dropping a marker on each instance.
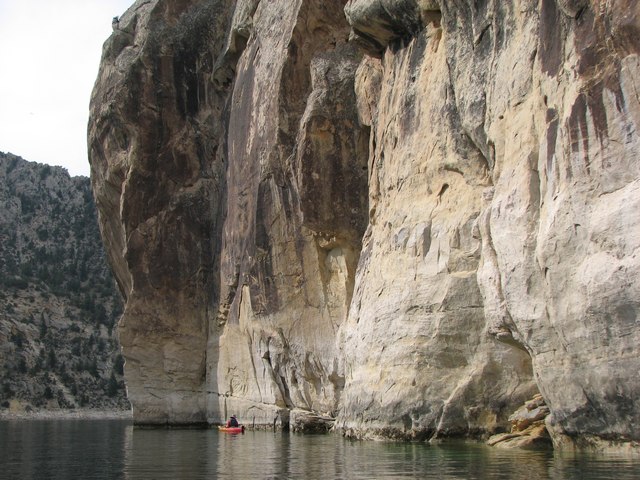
(543, 96)
(417, 354)
(415, 234)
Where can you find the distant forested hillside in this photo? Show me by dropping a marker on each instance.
(59, 303)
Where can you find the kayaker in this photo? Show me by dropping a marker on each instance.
(233, 422)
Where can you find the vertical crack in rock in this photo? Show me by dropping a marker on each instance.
(495, 306)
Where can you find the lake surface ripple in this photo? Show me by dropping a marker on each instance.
(114, 449)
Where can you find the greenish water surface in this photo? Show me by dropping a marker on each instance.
(113, 449)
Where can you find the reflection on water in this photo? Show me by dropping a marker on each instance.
(61, 449)
(160, 453)
(109, 449)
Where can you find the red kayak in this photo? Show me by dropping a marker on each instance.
(239, 429)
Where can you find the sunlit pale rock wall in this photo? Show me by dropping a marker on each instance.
(418, 357)
(411, 214)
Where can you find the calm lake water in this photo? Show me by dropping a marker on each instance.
(112, 449)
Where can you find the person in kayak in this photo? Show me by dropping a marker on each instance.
(233, 422)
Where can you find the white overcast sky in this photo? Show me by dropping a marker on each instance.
(49, 56)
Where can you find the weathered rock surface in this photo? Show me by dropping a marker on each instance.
(543, 103)
(416, 236)
(296, 211)
(528, 429)
(157, 171)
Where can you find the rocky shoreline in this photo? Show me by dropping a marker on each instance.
(67, 414)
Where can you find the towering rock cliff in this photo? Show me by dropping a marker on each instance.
(157, 168)
(412, 215)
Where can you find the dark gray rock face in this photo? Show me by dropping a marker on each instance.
(157, 153)
(416, 236)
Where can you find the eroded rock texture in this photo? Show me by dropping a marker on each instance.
(156, 143)
(410, 214)
(295, 215)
